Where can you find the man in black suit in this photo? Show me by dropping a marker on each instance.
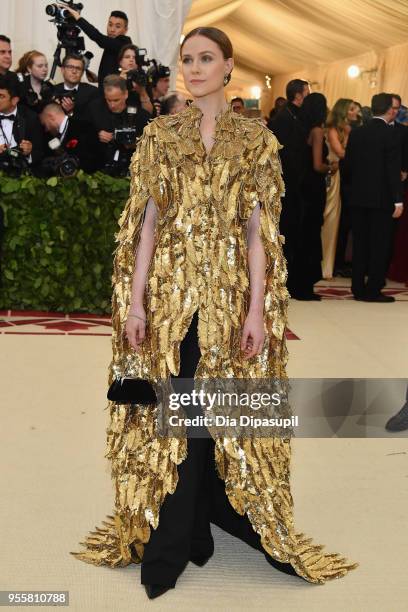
(20, 129)
(111, 44)
(73, 95)
(373, 166)
(77, 138)
(111, 113)
(290, 133)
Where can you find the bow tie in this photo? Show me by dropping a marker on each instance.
(9, 117)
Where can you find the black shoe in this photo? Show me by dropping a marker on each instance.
(380, 297)
(343, 273)
(358, 297)
(155, 590)
(307, 297)
(399, 422)
(200, 561)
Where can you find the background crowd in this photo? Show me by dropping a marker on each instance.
(345, 169)
(50, 128)
(345, 172)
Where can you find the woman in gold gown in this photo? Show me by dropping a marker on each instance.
(199, 251)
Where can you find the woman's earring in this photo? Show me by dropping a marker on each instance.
(226, 79)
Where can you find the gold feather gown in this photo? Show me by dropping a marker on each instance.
(200, 263)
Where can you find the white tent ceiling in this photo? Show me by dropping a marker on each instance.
(279, 37)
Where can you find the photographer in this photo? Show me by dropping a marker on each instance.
(161, 85)
(73, 95)
(135, 78)
(21, 136)
(118, 124)
(72, 140)
(112, 43)
(35, 90)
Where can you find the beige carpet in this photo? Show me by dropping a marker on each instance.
(350, 494)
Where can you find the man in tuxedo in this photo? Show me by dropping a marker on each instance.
(112, 43)
(73, 95)
(373, 167)
(77, 138)
(290, 133)
(20, 130)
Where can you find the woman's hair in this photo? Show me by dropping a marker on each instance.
(169, 103)
(313, 112)
(127, 48)
(217, 36)
(27, 60)
(338, 116)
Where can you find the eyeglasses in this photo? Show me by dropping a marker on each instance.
(75, 68)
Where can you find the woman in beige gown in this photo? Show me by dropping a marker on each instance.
(338, 130)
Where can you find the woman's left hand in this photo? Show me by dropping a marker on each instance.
(253, 335)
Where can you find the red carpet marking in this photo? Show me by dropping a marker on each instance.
(64, 324)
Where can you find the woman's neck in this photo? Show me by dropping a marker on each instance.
(212, 104)
(35, 83)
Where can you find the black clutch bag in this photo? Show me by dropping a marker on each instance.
(132, 391)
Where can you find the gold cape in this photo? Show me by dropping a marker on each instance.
(200, 263)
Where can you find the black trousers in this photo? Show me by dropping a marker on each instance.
(372, 229)
(184, 530)
(290, 225)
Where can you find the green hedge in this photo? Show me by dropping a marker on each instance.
(59, 241)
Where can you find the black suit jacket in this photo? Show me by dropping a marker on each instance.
(401, 132)
(80, 139)
(83, 97)
(112, 46)
(373, 166)
(290, 132)
(28, 127)
(103, 119)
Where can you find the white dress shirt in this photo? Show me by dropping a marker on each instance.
(6, 131)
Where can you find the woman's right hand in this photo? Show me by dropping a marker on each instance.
(136, 327)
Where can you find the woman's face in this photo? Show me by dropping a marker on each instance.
(39, 69)
(204, 66)
(128, 61)
(352, 113)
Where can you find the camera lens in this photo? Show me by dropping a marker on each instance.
(51, 10)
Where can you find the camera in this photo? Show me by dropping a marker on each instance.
(159, 72)
(60, 14)
(61, 164)
(120, 149)
(68, 33)
(66, 94)
(125, 137)
(13, 162)
(148, 72)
